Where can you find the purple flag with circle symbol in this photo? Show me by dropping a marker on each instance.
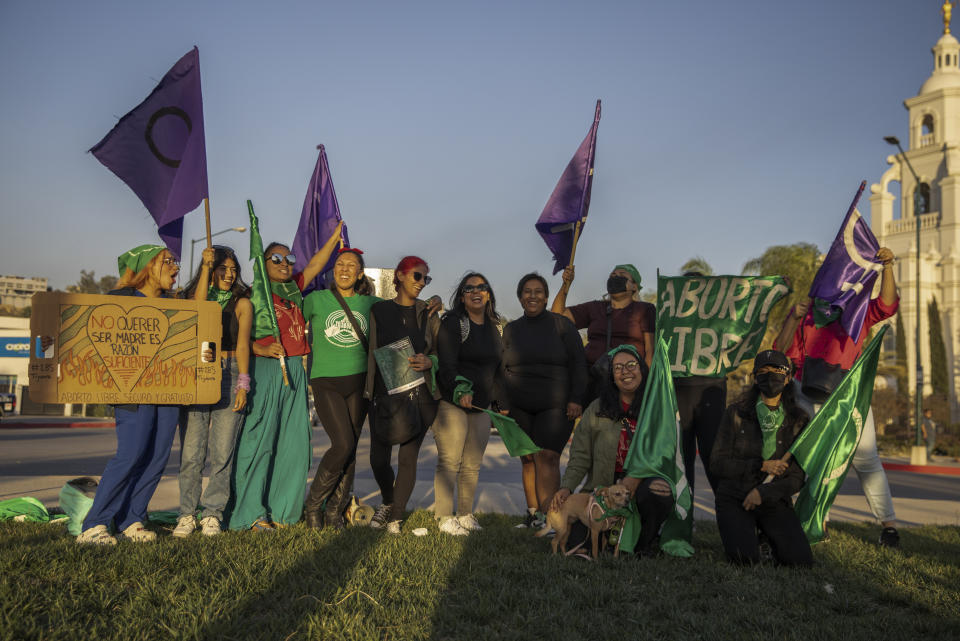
(158, 149)
(320, 216)
(570, 200)
(843, 285)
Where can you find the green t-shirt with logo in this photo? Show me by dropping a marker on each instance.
(336, 349)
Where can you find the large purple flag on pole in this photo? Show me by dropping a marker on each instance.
(319, 218)
(570, 200)
(845, 281)
(158, 149)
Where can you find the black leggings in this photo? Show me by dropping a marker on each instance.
(342, 410)
(396, 490)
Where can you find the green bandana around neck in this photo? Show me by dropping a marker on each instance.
(770, 422)
(137, 258)
(222, 297)
(634, 273)
(288, 290)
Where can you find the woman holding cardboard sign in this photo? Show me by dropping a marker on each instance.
(211, 430)
(144, 432)
(273, 451)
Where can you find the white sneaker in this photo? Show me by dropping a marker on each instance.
(96, 535)
(138, 534)
(469, 522)
(210, 526)
(186, 524)
(450, 525)
(393, 527)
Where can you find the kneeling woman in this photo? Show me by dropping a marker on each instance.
(601, 443)
(754, 434)
(144, 432)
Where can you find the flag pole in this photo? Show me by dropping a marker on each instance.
(206, 214)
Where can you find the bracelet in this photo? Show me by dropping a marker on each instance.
(243, 383)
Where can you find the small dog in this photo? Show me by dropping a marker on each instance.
(585, 508)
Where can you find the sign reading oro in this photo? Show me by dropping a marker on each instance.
(123, 349)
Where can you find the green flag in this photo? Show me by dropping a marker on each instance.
(261, 296)
(825, 447)
(655, 451)
(514, 438)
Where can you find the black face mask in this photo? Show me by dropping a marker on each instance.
(771, 383)
(616, 284)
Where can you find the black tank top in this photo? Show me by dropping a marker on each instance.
(231, 328)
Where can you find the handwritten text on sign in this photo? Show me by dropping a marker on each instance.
(714, 323)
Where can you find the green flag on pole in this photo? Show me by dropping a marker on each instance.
(825, 448)
(517, 442)
(261, 296)
(656, 452)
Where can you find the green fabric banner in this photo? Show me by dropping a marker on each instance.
(656, 451)
(261, 295)
(825, 447)
(514, 438)
(714, 323)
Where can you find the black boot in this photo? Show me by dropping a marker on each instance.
(323, 485)
(339, 499)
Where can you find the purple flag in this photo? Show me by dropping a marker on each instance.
(319, 218)
(158, 149)
(845, 280)
(570, 200)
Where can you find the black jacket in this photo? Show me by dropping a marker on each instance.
(736, 457)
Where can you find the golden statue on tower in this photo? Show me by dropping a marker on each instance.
(946, 10)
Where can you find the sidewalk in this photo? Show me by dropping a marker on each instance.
(35, 422)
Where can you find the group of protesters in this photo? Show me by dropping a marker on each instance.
(459, 363)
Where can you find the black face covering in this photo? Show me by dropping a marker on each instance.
(771, 383)
(616, 284)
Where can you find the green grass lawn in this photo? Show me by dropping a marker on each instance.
(500, 583)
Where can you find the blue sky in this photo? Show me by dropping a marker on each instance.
(727, 126)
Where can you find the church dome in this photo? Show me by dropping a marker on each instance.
(946, 65)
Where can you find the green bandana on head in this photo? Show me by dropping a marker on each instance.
(630, 269)
(626, 347)
(137, 258)
(222, 297)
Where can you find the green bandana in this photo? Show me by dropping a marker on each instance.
(288, 290)
(770, 422)
(626, 347)
(219, 295)
(634, 274)
(824, 313)
(137, 258)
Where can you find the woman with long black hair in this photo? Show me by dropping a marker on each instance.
(211, 430)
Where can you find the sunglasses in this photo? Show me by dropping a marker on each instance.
(418, 276)
(171, 262)
(629, 366)
(276, 259)
(482, 287)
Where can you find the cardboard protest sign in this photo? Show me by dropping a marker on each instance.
(714, 323)
(123, 349)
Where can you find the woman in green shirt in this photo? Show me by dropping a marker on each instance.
(337, 379)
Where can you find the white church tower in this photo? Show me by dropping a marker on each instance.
(934, 152)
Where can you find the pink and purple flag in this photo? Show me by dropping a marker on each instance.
(842, 287)
(570, 200)
(320, 216)
(159, 150)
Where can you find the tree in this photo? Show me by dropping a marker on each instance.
(798, 263)
(88, 284)
(939, 378)
(697, 264)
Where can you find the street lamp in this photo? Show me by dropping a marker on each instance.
(918, 402)
(194, 242)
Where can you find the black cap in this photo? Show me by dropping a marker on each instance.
(771, 357)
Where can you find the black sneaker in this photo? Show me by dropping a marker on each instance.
(528, 521)
(765, 550)
(890, 538)
(380, 518)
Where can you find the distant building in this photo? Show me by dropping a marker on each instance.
(934, 152)
(14, 361)
(16, 291)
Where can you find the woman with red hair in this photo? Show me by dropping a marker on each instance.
(401, 414)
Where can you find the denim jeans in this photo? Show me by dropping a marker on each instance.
(210, 430)
(866, 463)
(461, 439)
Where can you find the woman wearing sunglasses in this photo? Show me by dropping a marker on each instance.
(470, 378)
(403, 411)
(337, 378)
(546, 376)
(273, 452)
(144, 432)
(211, 430)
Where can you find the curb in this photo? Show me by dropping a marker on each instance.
(12, 425)
(923, 469)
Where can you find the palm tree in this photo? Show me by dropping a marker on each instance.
(697, 264)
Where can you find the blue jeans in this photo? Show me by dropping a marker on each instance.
(210, 430)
